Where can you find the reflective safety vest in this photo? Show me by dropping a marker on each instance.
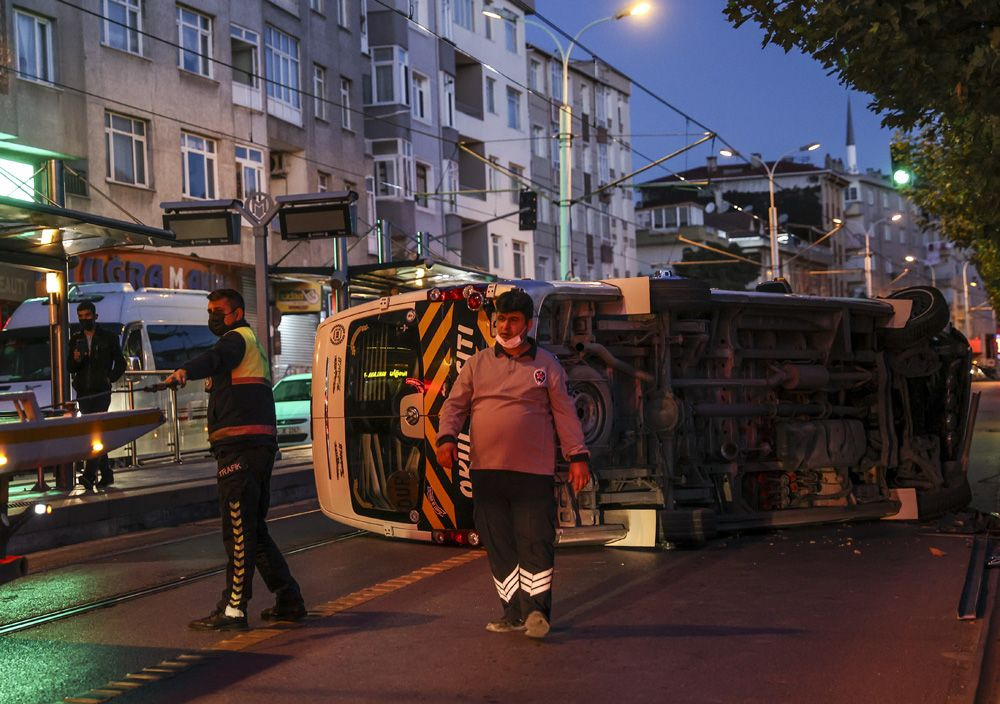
(241, 403)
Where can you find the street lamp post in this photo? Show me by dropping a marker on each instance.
(965, 297)
(772, 213)
(895, 217)
(566, 120)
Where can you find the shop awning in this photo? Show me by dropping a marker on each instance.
(41, 236)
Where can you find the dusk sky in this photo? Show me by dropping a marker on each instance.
(759, 99)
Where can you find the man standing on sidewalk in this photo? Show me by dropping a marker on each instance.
(241, 432)
(516, 394)
(95, 362)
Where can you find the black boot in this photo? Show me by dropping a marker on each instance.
(218, 621)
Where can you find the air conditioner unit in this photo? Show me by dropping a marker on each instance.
(278, 169)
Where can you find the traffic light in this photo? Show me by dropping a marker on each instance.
(902, 170)
(527, 202)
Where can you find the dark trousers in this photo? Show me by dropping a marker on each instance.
(98, 404)
(515, 515)
(244, 479)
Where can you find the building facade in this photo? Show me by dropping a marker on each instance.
(602, 220)
(211, 99)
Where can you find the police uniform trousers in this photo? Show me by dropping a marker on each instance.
(244, 478)
(97, 404)
(515, 515)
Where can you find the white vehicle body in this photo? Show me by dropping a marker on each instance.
(157, 328)
(703, 409)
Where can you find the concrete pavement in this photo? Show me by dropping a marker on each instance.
(143, 497)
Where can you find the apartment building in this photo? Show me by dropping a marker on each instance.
(147, 102)
(602, 222)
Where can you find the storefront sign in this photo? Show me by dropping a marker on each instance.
(156, 270)
(298, 297)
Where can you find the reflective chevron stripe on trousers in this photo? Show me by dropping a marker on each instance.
(244, 479)
(515, 515)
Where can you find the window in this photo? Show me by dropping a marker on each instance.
(322, 182)
(394, 168)
(122, 25)
(491, 100)
(510, 35)
(363, 31)
(542, 269)
(194, 36)
(390, 75)
(495, 242)
(539, 144)
(198, 166)
(850, 194)
(543, 215)
(513, 108)
(418, 11)
(345, 103)
(249, 171)
(281, 58)
(319, 92)
(465, 14)
(421, 97)
(423, 184)
(125, 148)
(316, 6)
(556, 78)
(446, 22)
(342, 18)
(488, 27)
(602, 105)
(516, 182)
(535, 75)
(519, 257)
(447, 100)
(33, 36)
(450, 185)
(245, 46)
(602, 163)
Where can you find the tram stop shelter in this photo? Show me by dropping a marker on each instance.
(47, 238)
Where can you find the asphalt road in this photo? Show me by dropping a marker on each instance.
(838, 614)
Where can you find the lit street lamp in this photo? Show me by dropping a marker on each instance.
(910, 259)
(772, 213)
(565, 118)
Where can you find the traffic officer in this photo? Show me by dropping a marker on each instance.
(95, 363)
(242, 435)
(516, 394)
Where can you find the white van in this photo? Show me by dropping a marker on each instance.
(158, 329)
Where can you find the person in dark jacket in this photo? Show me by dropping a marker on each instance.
(95, 362)
(242, 434)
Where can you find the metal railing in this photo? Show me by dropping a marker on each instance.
(186, 410)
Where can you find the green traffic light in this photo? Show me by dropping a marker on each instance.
(901, 177)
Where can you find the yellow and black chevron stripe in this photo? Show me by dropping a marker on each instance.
(442, 325)
(239, 555)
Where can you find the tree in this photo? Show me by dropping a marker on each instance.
(734, 276)
(931, 67)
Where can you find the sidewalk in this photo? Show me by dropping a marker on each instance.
(143, 497)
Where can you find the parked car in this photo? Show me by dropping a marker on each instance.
(292, 397)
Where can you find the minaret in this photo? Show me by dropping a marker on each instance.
(852, 150)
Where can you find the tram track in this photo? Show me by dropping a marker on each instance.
(175, 583)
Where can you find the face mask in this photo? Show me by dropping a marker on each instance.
(512, 343)
(88, 325)
(217, 324)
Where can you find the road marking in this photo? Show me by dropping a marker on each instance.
(169, 667)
